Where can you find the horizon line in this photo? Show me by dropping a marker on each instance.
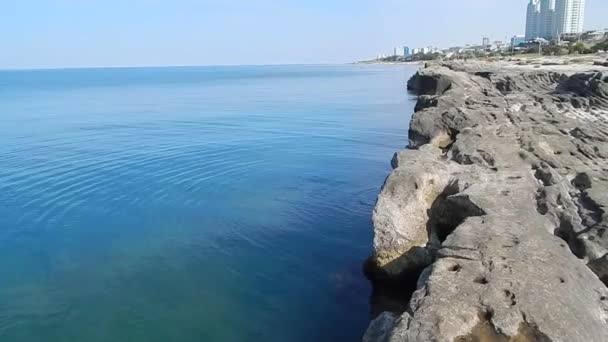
(166, 66)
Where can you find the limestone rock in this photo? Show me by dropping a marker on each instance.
(502, 201)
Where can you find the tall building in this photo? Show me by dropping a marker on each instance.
(533, 20)
(550, 18)
(406, 51)
(547, 23)
(570, 16)
(485, 42)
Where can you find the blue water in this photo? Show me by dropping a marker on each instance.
(192, 204)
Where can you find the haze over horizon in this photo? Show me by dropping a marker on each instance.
(95, 33)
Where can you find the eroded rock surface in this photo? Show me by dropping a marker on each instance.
(498, 208)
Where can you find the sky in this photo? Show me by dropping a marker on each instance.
(87, 33)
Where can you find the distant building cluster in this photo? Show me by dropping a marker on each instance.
(558, 21)
(550, 19)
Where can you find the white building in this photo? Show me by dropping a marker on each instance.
(570, 16)
(550, 18)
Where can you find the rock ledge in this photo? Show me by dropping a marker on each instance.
(492, 225)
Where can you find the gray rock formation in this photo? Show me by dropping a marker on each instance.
(498, 208)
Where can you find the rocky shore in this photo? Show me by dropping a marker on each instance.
(492, 225)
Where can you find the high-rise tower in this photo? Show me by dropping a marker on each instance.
(550, 18)
(547, 23)
(533, 20)
(569, 16)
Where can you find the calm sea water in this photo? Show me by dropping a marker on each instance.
(192, 204)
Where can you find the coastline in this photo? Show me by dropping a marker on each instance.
(491, 225)
(517, 60)
(389, 63)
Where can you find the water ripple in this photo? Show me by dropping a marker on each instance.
(192, 204)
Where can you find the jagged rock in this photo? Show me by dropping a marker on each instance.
(401, 214)
(425, 84)
(498, 208)
(380, 328)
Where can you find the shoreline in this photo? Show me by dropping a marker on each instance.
(389, 63)
(521, 59)
(492, 223)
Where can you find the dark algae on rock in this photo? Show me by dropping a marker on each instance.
(492, 225)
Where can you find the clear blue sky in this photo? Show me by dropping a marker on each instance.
(76, 33)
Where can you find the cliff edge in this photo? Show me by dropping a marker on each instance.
(492, 225)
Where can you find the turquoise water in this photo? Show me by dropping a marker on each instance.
(192, 204)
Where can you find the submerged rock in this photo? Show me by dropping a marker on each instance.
(498, 209)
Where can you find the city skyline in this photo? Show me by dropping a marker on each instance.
(546, 19)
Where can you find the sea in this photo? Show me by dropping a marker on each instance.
(183, 204)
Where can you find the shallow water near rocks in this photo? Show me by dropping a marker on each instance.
(192, 204)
